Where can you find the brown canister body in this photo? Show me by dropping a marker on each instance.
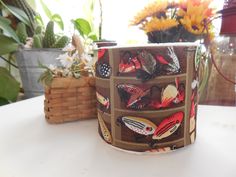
(147, 96)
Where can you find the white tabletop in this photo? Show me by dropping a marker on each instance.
(30, 147)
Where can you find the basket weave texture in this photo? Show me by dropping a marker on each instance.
(70, 99)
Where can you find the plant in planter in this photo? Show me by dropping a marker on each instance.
(70, 89)
(31, 47)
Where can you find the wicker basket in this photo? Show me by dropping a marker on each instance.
(70, 99)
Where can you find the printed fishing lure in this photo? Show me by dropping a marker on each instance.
(138, 98)
(148, 66)
(139, 125)
(105, 132)
(168, 126)
(133, 95)
(145, 127)
(102, 100)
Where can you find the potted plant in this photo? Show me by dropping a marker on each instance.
(31, 44)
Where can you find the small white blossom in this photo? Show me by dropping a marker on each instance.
(68, 48)
(52, 67)
(66, 60)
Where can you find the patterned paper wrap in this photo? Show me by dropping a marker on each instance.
(147, 96)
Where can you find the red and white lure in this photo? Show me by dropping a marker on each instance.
(168, 126)
(171, 94)
(145, 127)
(129, 67)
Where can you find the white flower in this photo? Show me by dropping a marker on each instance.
(66, 60)
(52, 67)
(86, 57)
(68, 48)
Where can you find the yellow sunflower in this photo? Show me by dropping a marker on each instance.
(151, 9)
(156, 24)
(194, 16)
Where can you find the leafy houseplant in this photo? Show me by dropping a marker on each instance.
(9, 87)
(33, 45)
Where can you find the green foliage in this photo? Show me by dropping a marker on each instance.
(17, 12)
(7, 44)
(21, 32)
(49, 37)
(38, 30)
(3, 101)
(46, 9)
(61, 42)
(7, 29)
(37, 41)
(52, 17)
(39, 20)
(57, 19)
(84, 28)
(46, 77)
(9, 87)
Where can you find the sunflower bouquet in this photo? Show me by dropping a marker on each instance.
(176, 21)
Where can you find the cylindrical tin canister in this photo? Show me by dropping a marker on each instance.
(147, 96)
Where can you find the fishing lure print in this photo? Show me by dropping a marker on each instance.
(168, 126)
(171, 94)
(192, 137)
(139, 125)
(174, 66)
(104, 70)
(192, 114)
(102, 100)
(105, 132)
(147, 61)
(101, 53)
(131, 66)
(133, 95)
(162, 149)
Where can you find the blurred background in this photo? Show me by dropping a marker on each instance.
(115, 26)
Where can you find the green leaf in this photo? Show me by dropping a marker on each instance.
(7, 44)
(18, 13)
(5, 20)
(46, 10)
(7, 29)
(3, 101)
(58, 20)
(93, 37)
(9, 87)
(39, 20)
(82, 26)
